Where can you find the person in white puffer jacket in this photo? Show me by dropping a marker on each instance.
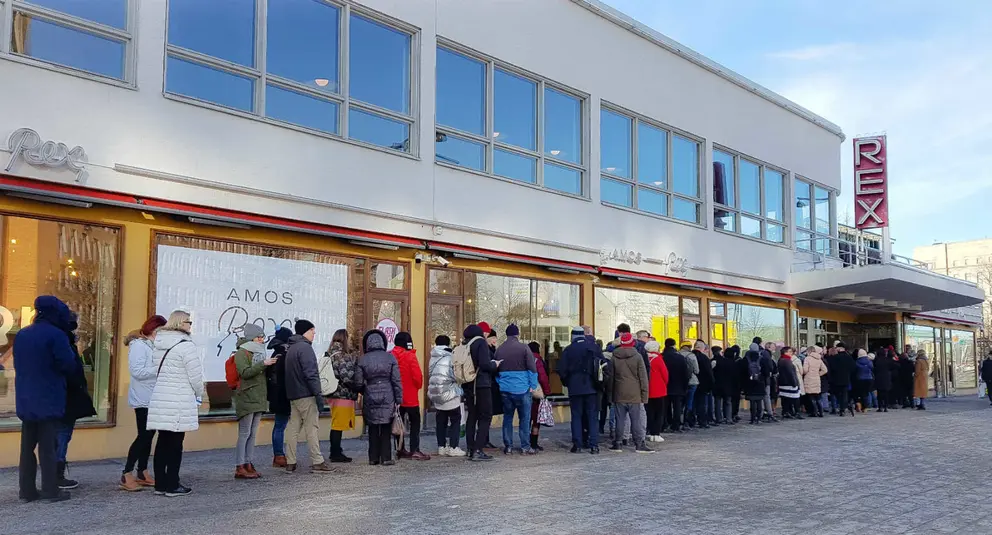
(173, 408)
(143, 367)
(446, 396)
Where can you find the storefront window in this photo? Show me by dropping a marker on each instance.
(655, 313)
(921, 337)
(744, 322)
(387, 276)
(226, 285)
(77, 263)
(963, 353)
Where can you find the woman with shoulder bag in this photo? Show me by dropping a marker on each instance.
(143, 367)
(544, 382)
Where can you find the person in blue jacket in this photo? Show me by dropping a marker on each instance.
(579, 371)
(44, 360)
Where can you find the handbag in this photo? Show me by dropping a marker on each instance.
(538, 392)
(545, 415)
(398, 428)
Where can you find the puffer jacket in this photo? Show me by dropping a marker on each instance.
(813, 369)
(865, 369)
(44, 360)
(411, 376)
(693, 364)
(344, 365)
(179, 388)
(442, 389)
(797, 363)
(143, 367)
(250, 396)
(378, 374)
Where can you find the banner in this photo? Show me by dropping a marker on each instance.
(223, 292)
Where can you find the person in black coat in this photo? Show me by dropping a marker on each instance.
(734, 355)
(883, 378)
(78, 405)
(704, 392)
(986, 373)
(907, 369)
(275, 385)
(724, 372)
(755, 376)
(840, 369)
(678, 385)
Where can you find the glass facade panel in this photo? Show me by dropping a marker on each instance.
(655, 313)
(224, 30)
(387, 276)
(823, 211)
(301, 109)
(744, 322)
(774, 195)
(724, 179)
(615, 192)
(379, 66)
(685, 164)
(378, 130)
(804, 203)
(302, 43)
(751, 227)
(564, 179)
(461, 92)
(516, 166)
(57, 43)
(750, 177)
(652, 155)
(562, 126)
(774, 233)
(108, 12)
(963, 355)
(515, 110)
(458, 151)
(685, 210)
(205, 83)
(652, 201)
(615, 144)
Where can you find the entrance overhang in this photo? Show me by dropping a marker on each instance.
(885, 288)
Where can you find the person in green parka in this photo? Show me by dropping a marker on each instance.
(250, 398)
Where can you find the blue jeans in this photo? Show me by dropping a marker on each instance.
(519, 403)
(824, 401)
(279, 434)
(689, 404)
(873, 399)
(584, 408)
(64, 436)
(709, 407)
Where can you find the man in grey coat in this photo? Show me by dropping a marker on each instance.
(302, 388)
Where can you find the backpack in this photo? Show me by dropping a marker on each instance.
(461, 361)
(231, 372)
(328, 381)
(754, 369)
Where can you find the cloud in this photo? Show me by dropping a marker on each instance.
(814, 53)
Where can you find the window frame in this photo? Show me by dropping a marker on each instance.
(127, 36)
(787, 222)
(832, 236)
(669, 189)
(490, 142)
(262, 79)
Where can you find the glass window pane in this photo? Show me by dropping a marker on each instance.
(823, 211)
(615, 192)
(614, 143)
(750, 227)
(223, 30)
(774, 194)
(300, 109)
(562, 126)
(690, 306)
(750, 187)
(387, 276)
(652, 201)
(379, 67)
(56, 43)
(515, 103)
(804, 205)
(458, 151)
(652, 155)
(774, 233)
(685, 161)
(378, 130)
(658, 314)
(443, 281)
(209, 84)
(562, 179)
(461, 92)
(515, 166)
(744, 322)
(804, 241)
(109, 12)
(685, 210)
(717, 309)
(724, 179)
(725, 220)
(302, 42)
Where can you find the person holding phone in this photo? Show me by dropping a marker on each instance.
(250, 398)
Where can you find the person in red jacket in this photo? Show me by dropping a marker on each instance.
(657, 391)
(412, 379)
(545, 384)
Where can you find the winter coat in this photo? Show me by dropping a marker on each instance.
(518, 369)
(43, 359)
(378, 374)
(693, 364)
(678, 372)
(482, 358)
(276, 374)
(906, 371)
(705, 373)
(840, 369)
(813, 370)
(755, 390)
(250, 396)
(658, 378)
(883, 366)
(442, 389)
(986, 372)
(723, 377)
(865, 370)
(344, 365)
(630, 378)
(411, 376)
(788, 379)
(921, 388)
(798, 365)
(542, 374)
(178, 392)
(302, 377)
(577, 367)
(141, 363)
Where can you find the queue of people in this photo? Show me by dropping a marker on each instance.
(643, 389)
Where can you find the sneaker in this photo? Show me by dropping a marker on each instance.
(490, 446)
(129, 483)
(507, 450)
(159, 492)
(322, 468)
(528, 451)
(594, 450)
(658, 438)
(481, 456)
(575, 449)
(455, 452)
(68, 484)
(443, 451)
(389, 463)
(616, 448)
(643, 448)
(290, 468)
(60, 496)
(178, 491)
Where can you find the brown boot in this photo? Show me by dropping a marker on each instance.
(279, 461)
(129, 483)
(241, 473)
(250, 468)
(145, 479)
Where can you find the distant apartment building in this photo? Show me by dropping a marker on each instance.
(966, 260)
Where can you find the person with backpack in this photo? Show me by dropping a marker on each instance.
(474, 369)
(755, 381)
(412, 378)
(544, 382)
(864, 376)
(446, 396)
(517, 382)
(678, 385)
(275, 377)
(249, 397)
(814, 370)
(378, 378)
(342, 400)
(630, 393)
(579, 372)
(657, 391)
(303, 386)
(142, 366)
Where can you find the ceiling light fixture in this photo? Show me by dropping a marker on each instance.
(495, 134)
(611, 169)
(555, 152)
(321, 82)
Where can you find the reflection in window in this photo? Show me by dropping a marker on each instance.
(823, 210)
(212, 58)
(749, 197)
(98, 49)
(512, 146)
(79, 265)
(750, 187)
(804, 204)
(773, 194)
(625, 139)
(814, 210)
(744, 322)
(387, 276)
(655, 313)
(963, 354)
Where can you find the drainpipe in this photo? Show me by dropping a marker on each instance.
(947, 264)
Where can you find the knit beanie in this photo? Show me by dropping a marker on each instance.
(513, 330)
(578, 333)
(403, 339)
(652, 347)
(302, 326)
(627, 340)
(754, 347)
(485, 328)
(252, 331)
(862, 353)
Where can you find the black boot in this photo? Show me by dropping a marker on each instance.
(65, 484)
(534, 445)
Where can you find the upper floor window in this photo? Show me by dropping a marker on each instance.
(498, 120)
(92, 37)
(648, 167)
(815, 211)
(749, 197)
(286, 60)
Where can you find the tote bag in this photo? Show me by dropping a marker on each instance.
(545, 415)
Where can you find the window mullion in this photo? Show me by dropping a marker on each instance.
(737, 193)
(344, 66)
(6, 18)
(130, 52)
(540, 133)
(491, 115)
(261, 36)
(73, 21)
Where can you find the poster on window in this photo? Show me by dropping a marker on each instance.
(225, 291)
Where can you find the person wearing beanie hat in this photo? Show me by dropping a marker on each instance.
(143, 367)
(517, 381)
(276, 394)
(412, 380)
(249, 397)
(252, 331)
(580, 370)
(302, 389)
(678, 385)
(657, 391)
(478, 394)
(756, 373)
(629, 390)
(302, 327)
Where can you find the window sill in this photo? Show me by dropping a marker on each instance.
(280, 124)
(514, 182)
(783, 245)
(64, 69)
(668, 219)
(15, 426)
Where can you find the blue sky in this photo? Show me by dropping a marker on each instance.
(921, 71)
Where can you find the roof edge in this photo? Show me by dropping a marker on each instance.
(625, 21)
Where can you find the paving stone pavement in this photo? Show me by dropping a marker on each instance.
(904, 472)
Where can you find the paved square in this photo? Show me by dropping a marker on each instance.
(903, 472)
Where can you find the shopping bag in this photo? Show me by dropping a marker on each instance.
(981, 389)
(398, 428)
(545, 415)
